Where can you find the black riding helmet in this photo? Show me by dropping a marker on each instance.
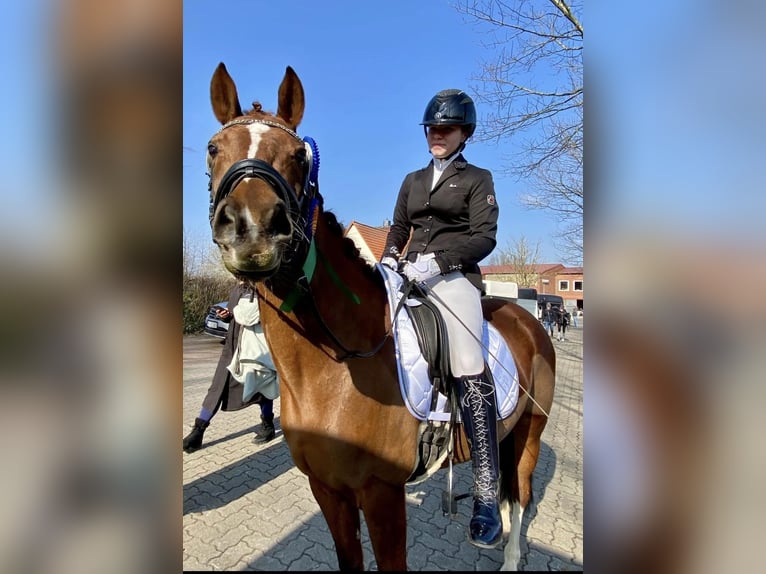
(450, 108)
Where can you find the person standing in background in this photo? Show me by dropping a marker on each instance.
(562, 320)
(549, 319)
(225, 391)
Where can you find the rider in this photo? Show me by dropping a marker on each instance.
(451, 210)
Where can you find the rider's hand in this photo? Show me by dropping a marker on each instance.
(390, 262)
(421, 270)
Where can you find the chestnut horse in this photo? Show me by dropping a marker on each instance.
(326, 319)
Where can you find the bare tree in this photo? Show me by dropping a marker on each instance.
(533, 85)
(202, 258)
(205, 281)
(191, 256)
(522, 257)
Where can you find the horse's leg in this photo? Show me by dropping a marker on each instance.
(342, 516)
(386, 517)
(526, 444)
(508, 490)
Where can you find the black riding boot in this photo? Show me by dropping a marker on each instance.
(193, 441)
(267, 431)
(477, 405)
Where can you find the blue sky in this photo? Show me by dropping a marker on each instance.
(665, 135)
(368, 70)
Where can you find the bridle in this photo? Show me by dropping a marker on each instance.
(300, 209)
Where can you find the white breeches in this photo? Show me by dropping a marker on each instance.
(460, 304)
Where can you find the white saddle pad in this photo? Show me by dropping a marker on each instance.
(413, 368)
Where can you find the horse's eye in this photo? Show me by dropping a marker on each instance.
(212, 149)
(300, 156)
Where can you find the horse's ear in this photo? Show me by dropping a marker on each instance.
(291, 102)
(223, 96)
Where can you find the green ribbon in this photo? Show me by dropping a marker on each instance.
(309, 266)
(334, 276)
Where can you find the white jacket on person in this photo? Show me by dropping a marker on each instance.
(252, 364)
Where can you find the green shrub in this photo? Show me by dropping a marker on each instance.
(199, 292)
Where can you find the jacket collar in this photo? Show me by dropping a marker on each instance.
(459, 162)
(425, 176)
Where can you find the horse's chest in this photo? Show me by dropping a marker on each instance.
(338, 445)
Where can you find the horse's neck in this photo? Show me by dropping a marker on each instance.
(312, 344)
(345, 291)
(343, 295)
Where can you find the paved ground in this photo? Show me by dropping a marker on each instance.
(246, 507)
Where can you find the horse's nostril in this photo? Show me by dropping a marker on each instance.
(224, 224)
(280, 222)
(225, 216)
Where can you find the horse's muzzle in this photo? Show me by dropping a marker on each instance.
(244, 262)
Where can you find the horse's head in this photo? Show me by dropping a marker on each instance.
(258, 169)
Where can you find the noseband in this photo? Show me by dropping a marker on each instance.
(251, 167)
(299, 209)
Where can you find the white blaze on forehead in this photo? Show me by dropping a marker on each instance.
(256, 130)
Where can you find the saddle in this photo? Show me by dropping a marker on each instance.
(431, 332)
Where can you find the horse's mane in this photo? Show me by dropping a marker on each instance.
(350, 250)
(259, 113)
(258, 109)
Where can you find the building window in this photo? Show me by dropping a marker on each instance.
(563, 285)
(578, 285)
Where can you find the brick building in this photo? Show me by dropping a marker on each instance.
(547, 278)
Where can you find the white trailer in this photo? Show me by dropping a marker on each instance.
(509, 291)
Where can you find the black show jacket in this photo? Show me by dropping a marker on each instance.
(457, 220)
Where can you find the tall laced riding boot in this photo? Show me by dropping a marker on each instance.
(267, 431)
(193, 441)
(478, 408)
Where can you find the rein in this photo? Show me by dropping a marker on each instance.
(303, 287)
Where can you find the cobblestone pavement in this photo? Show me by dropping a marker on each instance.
(246, 507)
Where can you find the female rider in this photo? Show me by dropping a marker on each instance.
(450, 208)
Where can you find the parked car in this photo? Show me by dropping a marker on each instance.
(215, 326)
